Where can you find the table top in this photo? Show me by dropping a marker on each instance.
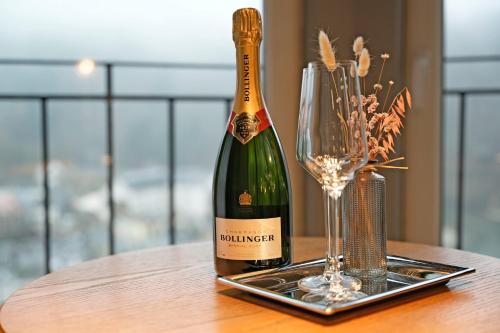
(174, 288)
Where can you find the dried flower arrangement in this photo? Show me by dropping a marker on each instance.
(383, 124)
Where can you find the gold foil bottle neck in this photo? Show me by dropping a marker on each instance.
(247, 24)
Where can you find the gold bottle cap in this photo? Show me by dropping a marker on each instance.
(247, 24)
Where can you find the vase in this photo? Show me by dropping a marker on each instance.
(374, 285)
(364, 225)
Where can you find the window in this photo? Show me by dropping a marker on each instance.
(169, 65)
(471, 143)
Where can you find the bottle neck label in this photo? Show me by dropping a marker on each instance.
(245, 126)
(248, 97)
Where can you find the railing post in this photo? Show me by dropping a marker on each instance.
(171, 170)
(46, 187)
(109, 156)
(461, 168)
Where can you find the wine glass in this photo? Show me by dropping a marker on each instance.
(331, 146)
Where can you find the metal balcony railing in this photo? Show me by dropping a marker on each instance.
(108, 97)
(170, 108)
(462, 95)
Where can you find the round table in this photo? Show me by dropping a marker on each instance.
(174, 288)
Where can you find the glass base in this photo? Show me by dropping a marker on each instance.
(329, 298)
(319, 284)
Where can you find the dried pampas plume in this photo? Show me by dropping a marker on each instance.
(358, 45)
(364, 62)
(326, 51)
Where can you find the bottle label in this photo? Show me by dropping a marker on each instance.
(248, 239)
(245, 126)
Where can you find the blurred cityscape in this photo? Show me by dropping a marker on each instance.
(79, 211)
(80, 219)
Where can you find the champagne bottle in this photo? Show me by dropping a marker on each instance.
(252, 226)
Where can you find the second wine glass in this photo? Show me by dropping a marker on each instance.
(331, 146)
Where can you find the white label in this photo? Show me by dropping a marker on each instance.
(249, 239)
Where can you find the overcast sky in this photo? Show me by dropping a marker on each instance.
(180, 30)
(154, 30)
(472, 27)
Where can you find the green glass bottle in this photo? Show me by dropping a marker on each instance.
(252, 199)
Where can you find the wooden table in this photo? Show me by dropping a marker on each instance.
(174, 289)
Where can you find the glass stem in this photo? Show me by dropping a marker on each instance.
(332, 211)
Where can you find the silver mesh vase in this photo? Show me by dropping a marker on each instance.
(364, 227)
(374, 285)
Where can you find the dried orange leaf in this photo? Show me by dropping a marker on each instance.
(399, 122)
(384, 155)
(386, 121)
(402, 112)
(401, 101)
(408, 97)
